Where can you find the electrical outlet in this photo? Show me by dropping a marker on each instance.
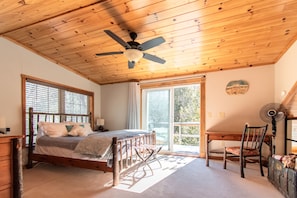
(209, 114)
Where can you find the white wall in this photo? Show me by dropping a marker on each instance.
(114, 105)
(230, 112)
(16, 60)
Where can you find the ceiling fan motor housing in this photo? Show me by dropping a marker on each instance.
(133, 45)
(133, 36)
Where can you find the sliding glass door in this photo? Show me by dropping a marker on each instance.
(157, 114)
(186, 122)
(174, 113)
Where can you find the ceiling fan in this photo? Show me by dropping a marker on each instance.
(134, 50)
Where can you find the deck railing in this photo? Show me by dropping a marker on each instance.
(179, 131)
(180, 134)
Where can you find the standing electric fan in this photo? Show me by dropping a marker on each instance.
(272, 113)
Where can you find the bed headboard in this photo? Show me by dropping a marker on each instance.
(33, 118)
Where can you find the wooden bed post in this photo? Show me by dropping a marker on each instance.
(91, 121)
(31, 134)
(115, 163)
(154, 139)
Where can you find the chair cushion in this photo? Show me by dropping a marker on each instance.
(235, 150)
(250, 152)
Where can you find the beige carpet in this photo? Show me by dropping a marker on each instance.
(141, 178)
(179, 177)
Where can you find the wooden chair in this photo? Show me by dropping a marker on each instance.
(250, 148)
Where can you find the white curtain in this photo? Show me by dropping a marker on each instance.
(133, 121)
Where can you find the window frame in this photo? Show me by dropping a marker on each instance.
(26, 78)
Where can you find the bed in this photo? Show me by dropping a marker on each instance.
(80, 146)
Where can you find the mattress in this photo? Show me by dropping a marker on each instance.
(64, 152)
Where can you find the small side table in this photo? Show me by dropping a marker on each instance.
(146, 153)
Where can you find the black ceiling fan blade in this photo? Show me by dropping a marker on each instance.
(151, 43)
(108, 53)
(117, 39)
(131, 64)
(153, 58)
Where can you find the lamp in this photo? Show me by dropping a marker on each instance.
(133, 55)
(2, 125)
(100, 123)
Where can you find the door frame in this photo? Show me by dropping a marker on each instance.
(169, 82)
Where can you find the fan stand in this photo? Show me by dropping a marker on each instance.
(272, 113)
(273, 145)
(273, 123)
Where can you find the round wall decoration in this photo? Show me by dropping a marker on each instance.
(236, 87)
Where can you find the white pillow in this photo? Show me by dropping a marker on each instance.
(40, 131)
(86, 126)
(53, 129)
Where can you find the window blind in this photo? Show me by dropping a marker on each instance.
(47, 99)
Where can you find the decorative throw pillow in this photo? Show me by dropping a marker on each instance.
(69, 127)
(74, 130)
(87, 127)
(78, 130)
(83, 132)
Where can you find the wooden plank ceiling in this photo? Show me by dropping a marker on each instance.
(201, 36)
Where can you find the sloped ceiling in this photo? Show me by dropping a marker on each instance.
(201, 36)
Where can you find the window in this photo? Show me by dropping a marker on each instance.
(48, 97)
(291, 136)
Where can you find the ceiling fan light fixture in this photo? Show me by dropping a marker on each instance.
(133, 55)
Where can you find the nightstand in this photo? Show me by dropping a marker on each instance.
(103, 130)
